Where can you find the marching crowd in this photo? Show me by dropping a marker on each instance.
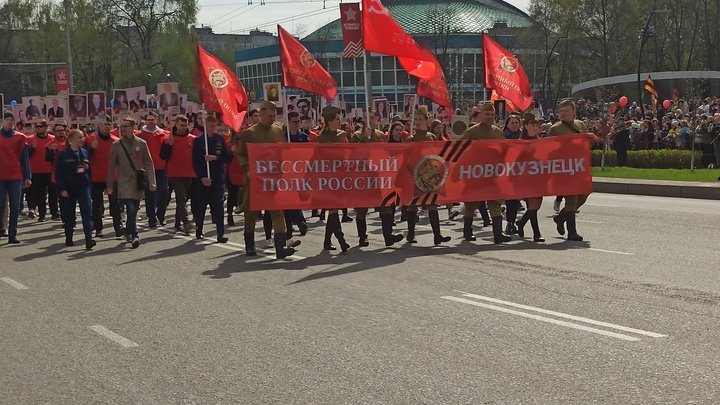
(207, 165)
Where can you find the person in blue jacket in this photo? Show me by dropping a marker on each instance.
(210, 187)
(72, 173)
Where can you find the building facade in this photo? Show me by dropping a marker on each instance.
(451, 29)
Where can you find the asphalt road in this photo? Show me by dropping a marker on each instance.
(629, 317)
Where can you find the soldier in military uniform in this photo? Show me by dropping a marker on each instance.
(332, 134)
(568, 125)
(264, 131)
(422, 135)
(485, 130)
(365, 135)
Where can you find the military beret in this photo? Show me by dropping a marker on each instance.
(268, 105)
(488, 107)
(567, 102)
(8, 115)
(329, 113)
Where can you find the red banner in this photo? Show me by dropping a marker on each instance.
(301, 70)
(505, 75)
(220, 90)
(62, 82)
(351, 21)
(308, 176)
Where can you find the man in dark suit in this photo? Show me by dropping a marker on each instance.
(137, 102)
(168, 98)
(56, 111)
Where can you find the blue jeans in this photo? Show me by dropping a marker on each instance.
(131, 211)
(11, 189)
(156, 201)
(82, 198)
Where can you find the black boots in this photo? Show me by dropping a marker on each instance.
(435, 224)
(387, 228)
(250, 244)
(511, 211)
(560, 221)
(282, 251)
(412, 219)
(530, 215)
(362, 231)
(333, 227)
(498, 234)
(468, 230)
(572, 232)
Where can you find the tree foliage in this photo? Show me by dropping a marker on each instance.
(604, 37)
(115, 44)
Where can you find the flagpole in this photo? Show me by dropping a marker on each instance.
(207, 148)
(285, 108)
(412, 113)
(368, 87)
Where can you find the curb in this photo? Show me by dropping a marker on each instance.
(655, 188)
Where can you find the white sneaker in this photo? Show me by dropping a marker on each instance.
(269, 244)
(292, 242)
(556, 206)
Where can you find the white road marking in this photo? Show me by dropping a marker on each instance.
(589, 222)
(612, 251)
(544, 319)
(603, 205)
(13, 283)
(562, 315)
(105, 332)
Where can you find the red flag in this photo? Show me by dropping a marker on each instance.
(382, 34)
(301, 70)
(504, 74)
(436, 89)
(220, 90)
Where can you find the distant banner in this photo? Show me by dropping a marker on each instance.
(62, 82)
(350, 19)
(308, 176)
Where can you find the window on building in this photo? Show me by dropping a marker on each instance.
(348, 79)
(388, 77)
(359, 79)
(375, 63)
(376, 78)
(402, 77)
(334, 65)
(468, 60)
(347, 64)
(388, 62)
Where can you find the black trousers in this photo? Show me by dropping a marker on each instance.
(42, 188)
(98, 207)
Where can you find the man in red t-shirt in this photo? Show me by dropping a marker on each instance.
(14, 173)
(155, 201)
(98, 145)
(42, 188)
(176, 150)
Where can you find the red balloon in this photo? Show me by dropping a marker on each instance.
(666, 104)
(623, 101)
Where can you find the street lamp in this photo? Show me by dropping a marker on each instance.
(646, 33)
(549, 56)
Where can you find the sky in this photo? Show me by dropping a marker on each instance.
(238, 17)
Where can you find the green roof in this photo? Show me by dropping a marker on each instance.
(415, 16)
